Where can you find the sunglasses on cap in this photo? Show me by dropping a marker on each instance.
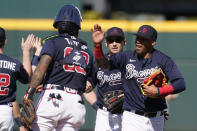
(118, 40)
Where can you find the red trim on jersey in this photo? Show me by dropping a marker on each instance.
(165, 90)
(98, 52)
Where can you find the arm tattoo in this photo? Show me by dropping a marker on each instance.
(40, 71)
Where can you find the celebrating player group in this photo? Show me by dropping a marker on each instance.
(131, 85)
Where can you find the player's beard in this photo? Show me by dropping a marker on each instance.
(141, 55)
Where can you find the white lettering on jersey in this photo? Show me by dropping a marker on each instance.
(71, 42)
(108, 78)
(132, 72)
(7, 65)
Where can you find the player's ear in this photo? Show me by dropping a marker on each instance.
(125, 42)
(153, 43)
(106, 44)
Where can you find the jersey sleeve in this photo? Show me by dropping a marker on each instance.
(173, 75)
(117, 60)
(91, 71)
(48, 49)
(22, 75)
(94, 75)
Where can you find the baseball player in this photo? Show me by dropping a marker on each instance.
(108, 80)
(142, 112)
(11, 70)
(64, 66)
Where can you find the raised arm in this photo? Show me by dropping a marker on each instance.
(37, 47)
(26, 46)
(38, 75)
(40, 71)
(97, 38)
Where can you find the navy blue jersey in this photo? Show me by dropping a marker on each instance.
(106, 80)
(11, 70)
(135, 70)
(71, 61)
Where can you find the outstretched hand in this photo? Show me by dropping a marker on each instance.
(27, 44)
(97, 34)
(37, 47)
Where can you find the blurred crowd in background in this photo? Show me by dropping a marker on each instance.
(140, 9)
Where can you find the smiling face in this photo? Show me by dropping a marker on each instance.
(115, 44)
(144, 47)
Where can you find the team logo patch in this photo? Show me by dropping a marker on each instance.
(115, 31)
(130, 60)
(144, 30)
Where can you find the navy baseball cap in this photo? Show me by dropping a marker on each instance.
(148, 32)
(2, 34)
(115, 31)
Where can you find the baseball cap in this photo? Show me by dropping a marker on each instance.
(114, 31)
(2, 34)
(148, 32)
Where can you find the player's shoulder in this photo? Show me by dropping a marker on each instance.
(50, 37)
(8, 58)
(161, 57)
(127, 53)
(160, 54)
(83, 42)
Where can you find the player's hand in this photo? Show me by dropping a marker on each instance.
(97, 34)
(39, 88)
(37, 47)
(165, 115)
(88, 87)
(27, 44)
(150, 91)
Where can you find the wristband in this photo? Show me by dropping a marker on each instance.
(98, 52)
(165, 90)
(95, 106)
(18, 122)
(35, 60)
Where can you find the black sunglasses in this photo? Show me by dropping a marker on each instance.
(119, 40)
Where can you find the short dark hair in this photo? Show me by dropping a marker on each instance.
(2, 43)
(68, 27)
(2, 37)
